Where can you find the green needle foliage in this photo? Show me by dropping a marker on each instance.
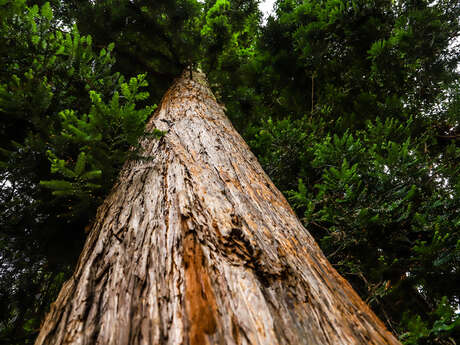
(385, 212)
(68, 124)
(360, 128)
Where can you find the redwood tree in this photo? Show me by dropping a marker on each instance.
(195, 245)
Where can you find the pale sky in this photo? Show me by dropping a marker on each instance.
(266, 6)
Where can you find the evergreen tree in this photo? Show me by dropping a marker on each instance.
(197, 246)
(352, 107)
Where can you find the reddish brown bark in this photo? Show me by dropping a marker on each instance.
(195, 245)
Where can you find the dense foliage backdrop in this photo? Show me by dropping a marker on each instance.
(352, 107)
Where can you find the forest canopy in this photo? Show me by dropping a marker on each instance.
(351, 107)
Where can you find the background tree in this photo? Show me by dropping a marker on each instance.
(61, 107)
(369, 148)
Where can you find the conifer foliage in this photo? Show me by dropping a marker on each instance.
(68, 124)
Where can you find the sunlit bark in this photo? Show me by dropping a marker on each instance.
(195, 245)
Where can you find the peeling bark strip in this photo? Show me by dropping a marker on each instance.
(200, 303)
(197, 246)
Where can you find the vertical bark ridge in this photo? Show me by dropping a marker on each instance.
(195, 245)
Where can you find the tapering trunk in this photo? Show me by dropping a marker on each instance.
(195, 245)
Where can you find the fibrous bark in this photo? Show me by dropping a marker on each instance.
(195, 245)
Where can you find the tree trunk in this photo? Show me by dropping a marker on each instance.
(195, 245)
